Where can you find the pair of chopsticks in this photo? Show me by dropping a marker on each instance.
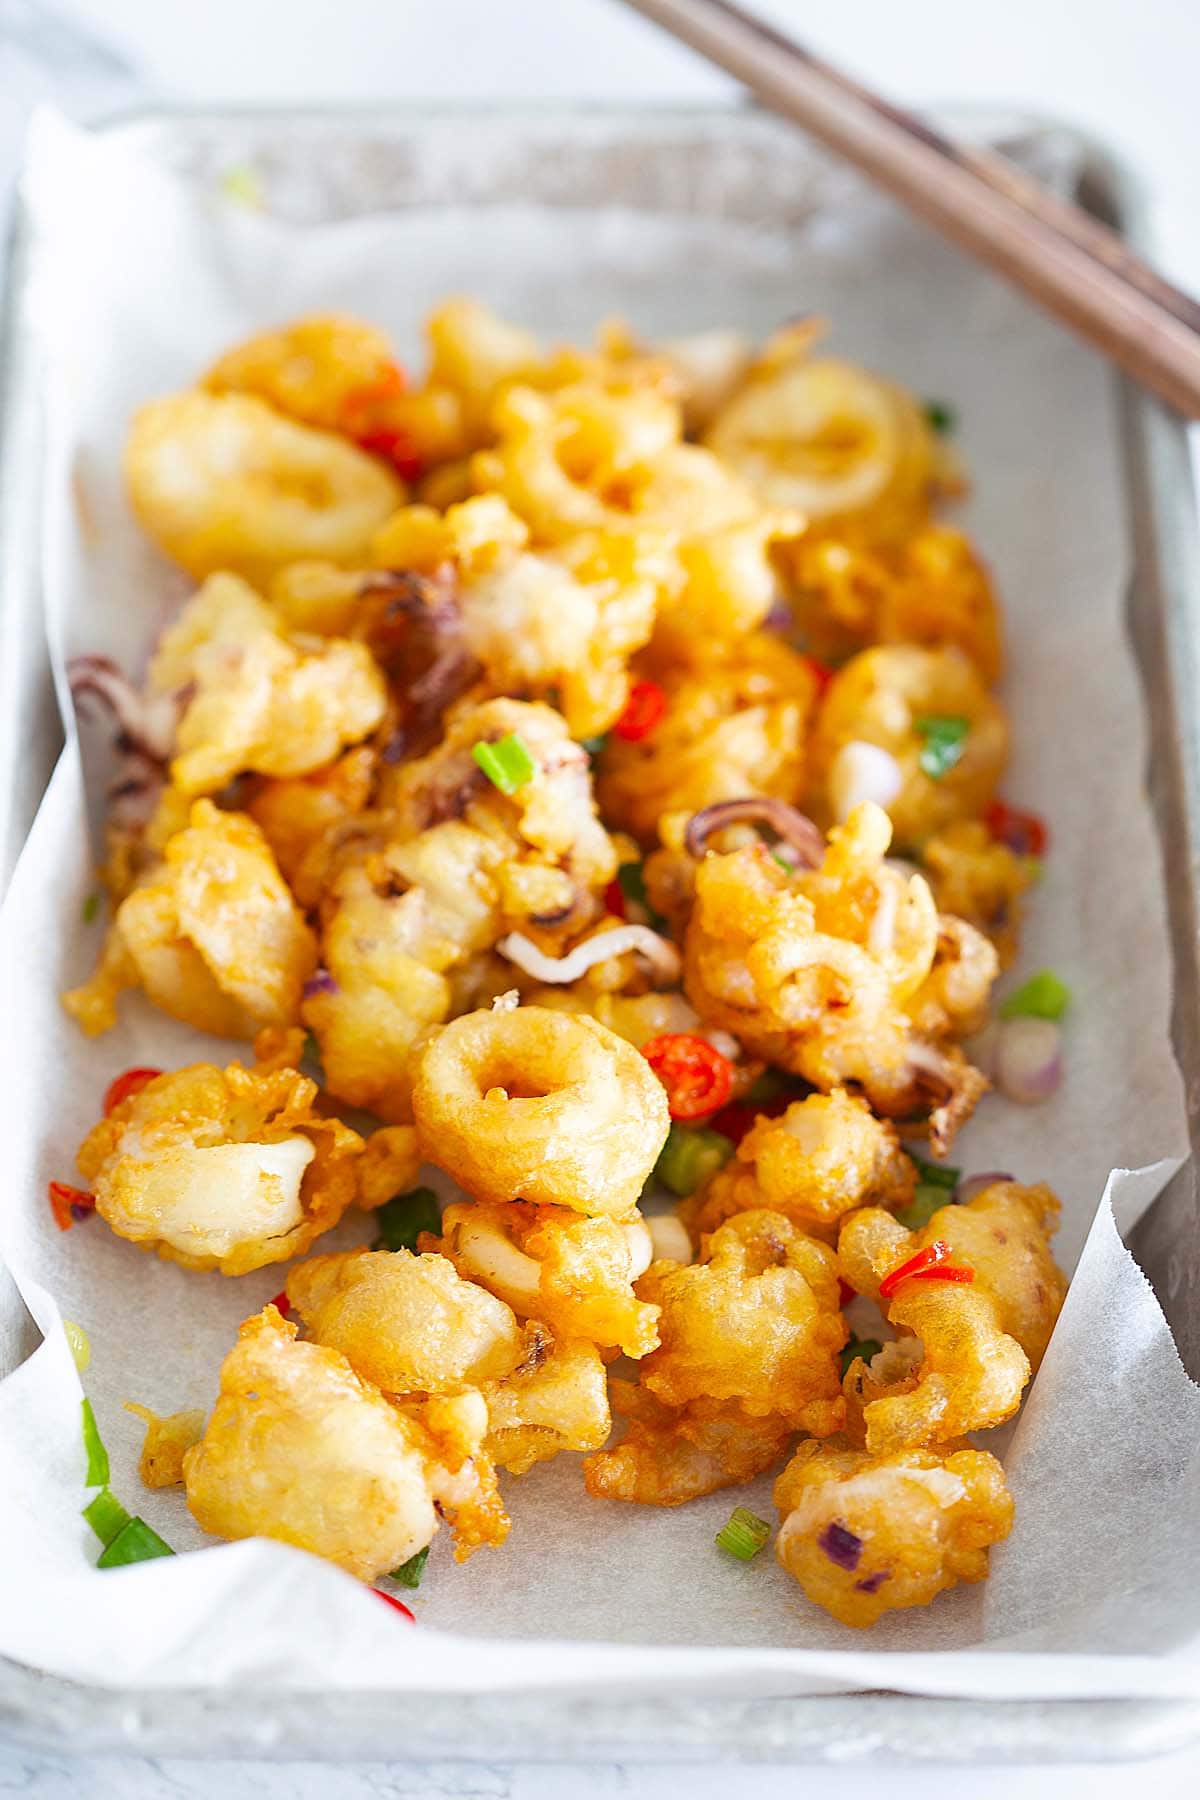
(1070, 263)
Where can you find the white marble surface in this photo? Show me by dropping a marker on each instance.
(1126, 73)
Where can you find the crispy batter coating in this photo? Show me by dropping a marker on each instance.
(212, 934)
(560, 622)
(816, 1162)
(952, 1001)
(978, 879)
(930, 589)
(299, 1449)
(321, 369)
(589, 459)
(550, 1263)
(883, 696)
(258, 700)
(224, 1169)
(756, 1320)
(818, 971)
(865, 1535)
(300, 815)
(407, 1323)
(542, 1106)
(736, 728)
(389, 1165)
(223, 481)
(843, 447)
(437, 877)
(669, 1455)
(980, 1342)
(556, 1400)
(169, 1436)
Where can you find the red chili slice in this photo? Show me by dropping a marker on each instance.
(845, 1292)
(822, 674)
(929, 1264)
(644, 708)
(698, 1079)
(1023, 832)
(614, 900)
(281, 1303)
(398, 1604)
(69, 1204)
(394, 446)
(735, 1120)
(131, 1082)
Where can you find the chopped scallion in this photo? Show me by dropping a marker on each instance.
(744, 1534)
(77, 1338)
(942, 417)
(864, 1347)
(97, 1455)
(405, 1217)
(927, 1200)
(106, 1516)
(135, 1542)
(1043, 996)
(631, 879)
(409, 1573)
(931, 1174)
(765, 1087)
(945, 740)
(91, 908)
(689, 1157)
(507, 764)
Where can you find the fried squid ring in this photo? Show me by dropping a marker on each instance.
(543, 1106)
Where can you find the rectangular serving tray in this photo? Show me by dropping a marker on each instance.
(319, 166)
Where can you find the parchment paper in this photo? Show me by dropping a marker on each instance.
(139, 283)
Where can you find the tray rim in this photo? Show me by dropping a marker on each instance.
(49, 1712)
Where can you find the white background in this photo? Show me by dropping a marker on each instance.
(1125, 70)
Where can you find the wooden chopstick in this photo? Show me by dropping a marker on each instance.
(1071, 264)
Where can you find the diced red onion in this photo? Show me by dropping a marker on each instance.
(975, 1184)
(1028, 1063)
(662, 956)
(871, 1584)
(841, 1546)
(322, 982)
(862, 771)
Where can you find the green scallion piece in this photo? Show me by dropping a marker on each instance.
(594, 745)
(945, 740)
(927, 1200)
(106, 1516)
(689, 1157)
(93, 1443)
(942, 417)
(631, 879)
(931, 1174)
(864, 1347)
(743, 1534)
(507, 764)
(409, 1573)
(1043, 996)
(766, 1087)
(135, 1542)
(77, 1339)
(91, 907)
(403, 1218)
